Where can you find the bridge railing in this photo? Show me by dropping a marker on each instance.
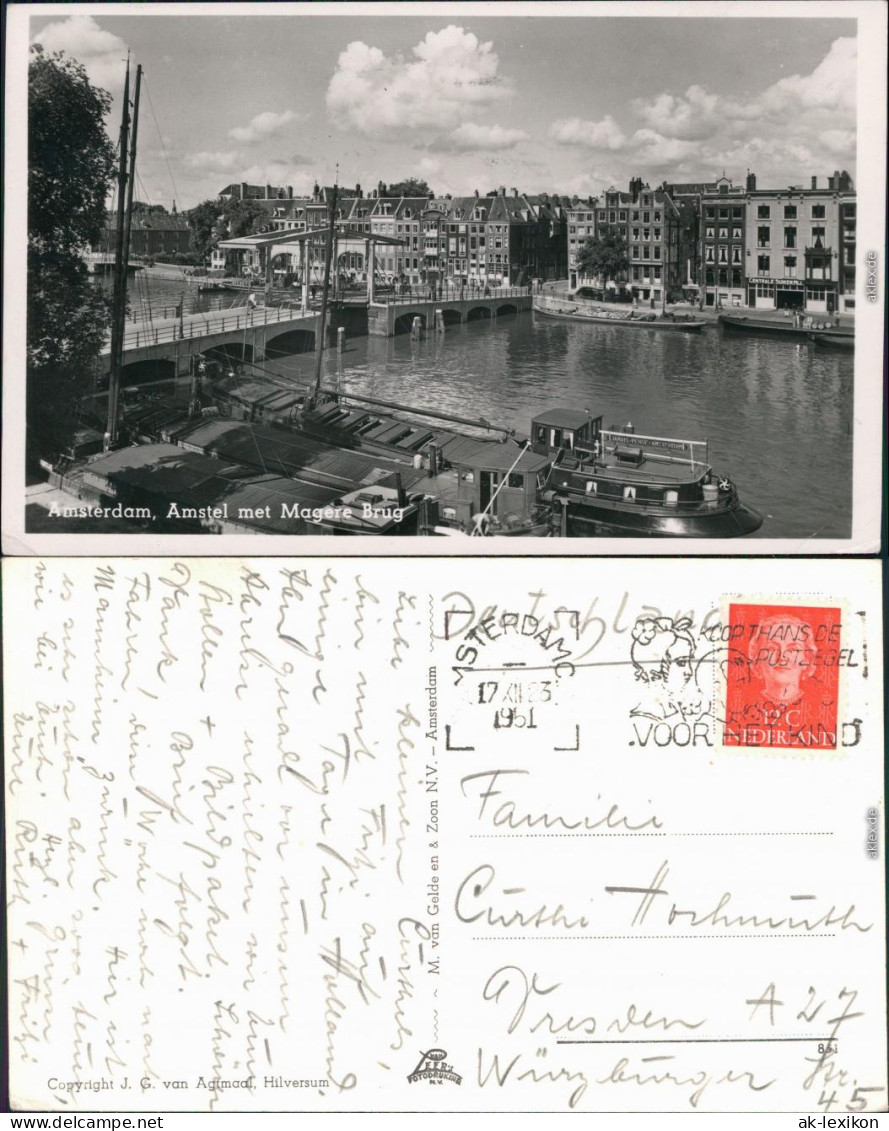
(202, 325)
(447, 293)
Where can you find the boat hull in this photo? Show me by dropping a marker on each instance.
(773, 328)
(635, 323)
(586, 520)
(833, 341)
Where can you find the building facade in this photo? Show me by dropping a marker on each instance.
(152, 234)
(721, 273)
(799, 252)
(581, 220)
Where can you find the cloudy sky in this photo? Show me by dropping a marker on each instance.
(544, 104)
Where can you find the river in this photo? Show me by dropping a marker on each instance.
(778, 414)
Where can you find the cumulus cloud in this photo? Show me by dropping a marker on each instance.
(604, 134)
(469, 137)
(799, 126)
(830, 87)
(102, 53)
(449, 73)
(263, 126)
(692, 117)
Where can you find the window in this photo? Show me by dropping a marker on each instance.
(468, 476)
(635, 213)
(723, 232)
(629, 492)
(591, 487)
(671, 498)
(736, 255)
(646, 252)
(657, 251)
(790, 237)
(763, 212)
(723, 255)
(762, 264)
(736, 233)
(656, 273)
(818, 237)
(635, 251)
(646, 233)
(723, 214)
(622, 216)
(636, 275)
(708, 254)
(817, 211)
(646, 217)
(611, 217)
(711, 232)
(762, 237)
(789, 211)
(516, 479)
(737, 213)
(635, 233)
(657, 217)
(657, 233)
(789, 264)
(710, 213)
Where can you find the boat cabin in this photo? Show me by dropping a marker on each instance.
(498, 480)
(566, 429)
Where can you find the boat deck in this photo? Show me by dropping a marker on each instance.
(652, 469)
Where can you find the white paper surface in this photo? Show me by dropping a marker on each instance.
(345, 835)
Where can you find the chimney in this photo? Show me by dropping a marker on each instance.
(501, 190)
(515, 192)
(476, 193)
(751, 182)
(243, 190)
(358, 192)
(814, 182)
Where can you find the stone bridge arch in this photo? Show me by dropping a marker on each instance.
(292, 341)
(404, 322)
(478, 314)
(451, 316)
(507, 309)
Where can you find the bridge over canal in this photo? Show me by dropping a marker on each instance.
(256, 333)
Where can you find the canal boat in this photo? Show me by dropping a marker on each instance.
(744, 324)
(618, 483)
(833, 341)
(680, 323)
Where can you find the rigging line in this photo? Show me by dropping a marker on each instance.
(161, 140)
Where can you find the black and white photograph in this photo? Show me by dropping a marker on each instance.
(604, 273)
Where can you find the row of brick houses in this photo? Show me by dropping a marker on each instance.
(714, 243)
(724, 245)
(500, 238)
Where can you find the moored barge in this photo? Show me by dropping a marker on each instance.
(617, 483)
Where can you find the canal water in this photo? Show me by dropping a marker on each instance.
(778, 415)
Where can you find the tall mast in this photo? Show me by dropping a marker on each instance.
(120, 268)
(328, 256)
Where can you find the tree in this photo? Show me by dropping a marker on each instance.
(413, 186)
(70, 166)
(604, 255)
(203, 220)
(244, 217)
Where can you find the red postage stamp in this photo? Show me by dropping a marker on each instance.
(782, 678)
